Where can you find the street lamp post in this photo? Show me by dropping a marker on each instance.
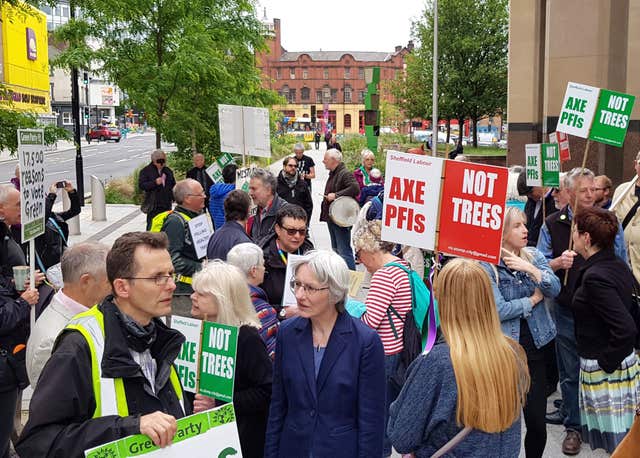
(434, 126)
(75, 108)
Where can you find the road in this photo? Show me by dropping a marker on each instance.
(106, 160)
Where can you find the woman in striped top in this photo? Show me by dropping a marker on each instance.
(387, 303)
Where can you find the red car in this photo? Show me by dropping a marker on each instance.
(103, 133)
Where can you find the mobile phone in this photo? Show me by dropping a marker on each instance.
(61, 184)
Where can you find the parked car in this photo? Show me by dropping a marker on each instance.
(103, 133)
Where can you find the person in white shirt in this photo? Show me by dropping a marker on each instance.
(85, 284)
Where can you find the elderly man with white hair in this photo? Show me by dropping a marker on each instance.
(84, 272)
(341, 183)
(157, 182)
(249, 258)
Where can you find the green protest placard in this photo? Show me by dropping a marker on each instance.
(187, 360)
(550, 164)
(218, 360)
(612, 116)
(204, 435)
(533, 165)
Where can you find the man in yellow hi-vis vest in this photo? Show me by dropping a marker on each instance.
(111, 373)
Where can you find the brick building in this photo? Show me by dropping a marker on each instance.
(331, 81)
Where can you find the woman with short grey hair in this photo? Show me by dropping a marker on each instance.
(249, 258)
(328, 365)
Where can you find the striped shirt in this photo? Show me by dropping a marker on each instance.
(389, 286)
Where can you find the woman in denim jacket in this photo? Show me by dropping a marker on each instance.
(521, 282)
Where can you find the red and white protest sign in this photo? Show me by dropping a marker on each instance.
(411, 197)
(472, 210)
(562, 140)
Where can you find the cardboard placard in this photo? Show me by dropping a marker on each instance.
(201, 231)
(472, 210)
(562, 140)
(612, 116)
(578, 108)
(288, 296)
(187, 361)
(213, 433)
(411, 197)
(32, 186)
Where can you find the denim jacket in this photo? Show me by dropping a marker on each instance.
(512, 294)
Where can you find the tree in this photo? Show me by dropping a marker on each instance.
(472, 58)
(175, 59)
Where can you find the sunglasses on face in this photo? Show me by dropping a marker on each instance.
(292, 231)
(160, 161)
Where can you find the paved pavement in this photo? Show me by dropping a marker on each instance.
(127, 218)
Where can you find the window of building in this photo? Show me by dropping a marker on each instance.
(284, 92)
(305, 73)
(326, 93)
(325, 73)
(347, 121)
(278, 75)
(347, 73)
(361, 95)
(361, 73)
(305, 93)
(347, 94)
(319, 96)
(292, 73)
(67, 120)
(292, 96)
(334, 95)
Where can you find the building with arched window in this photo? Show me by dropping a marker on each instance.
(331, 81)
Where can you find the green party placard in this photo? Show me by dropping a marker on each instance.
(210, 434)
(218, 360)
(612, 116)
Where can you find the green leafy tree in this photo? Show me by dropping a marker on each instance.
(175, 59)
(472, 59)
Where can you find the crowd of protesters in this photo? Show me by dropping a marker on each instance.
(317, 378)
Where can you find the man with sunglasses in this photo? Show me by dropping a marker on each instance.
(157, 182)
(292, 186)
(290, 237)
(111, 373)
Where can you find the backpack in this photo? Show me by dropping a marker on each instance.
(421, 324)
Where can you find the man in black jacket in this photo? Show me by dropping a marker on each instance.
(137, 349)
(289, 237)
(292, 187)
(199, 173)
(157, 182)
(534, 209)
(262, 189)
(232, 232)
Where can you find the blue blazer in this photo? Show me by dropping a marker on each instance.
(339, 414)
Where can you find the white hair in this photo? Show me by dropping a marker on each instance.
(365, 153)
(84, 258)
(577, 172)
(335, 154)
(182, 189)
(329, 269)
(5, 191)
(245, 256)
(157, 154)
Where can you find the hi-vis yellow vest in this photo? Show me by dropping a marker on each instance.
(109, 393)
(157, 223)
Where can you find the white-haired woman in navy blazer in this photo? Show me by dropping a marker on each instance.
(328, 382)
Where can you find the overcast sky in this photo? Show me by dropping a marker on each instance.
(343, 25)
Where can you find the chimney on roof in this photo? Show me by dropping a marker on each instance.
(265, 14)
(410, 45)
(398, 48)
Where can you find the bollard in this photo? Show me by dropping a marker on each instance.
(73, 223)
(98, 203)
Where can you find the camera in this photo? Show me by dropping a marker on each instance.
(61, 184)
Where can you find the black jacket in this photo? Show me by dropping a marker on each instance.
(262, 226)
(252, 391)
(51, 244)
(231, 233)
(60, 415)
(181, 247)
(298, 194)
(202, 177)
(276, 269)
(602, 304)
(163, 195)
(341, 182)
(534, 223)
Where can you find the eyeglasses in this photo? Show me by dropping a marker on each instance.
(292, 231)
(202, 194)
(292, 165)
(295, 285)
(600, 189)
(358, 255)
(160, 161)
(160, 280)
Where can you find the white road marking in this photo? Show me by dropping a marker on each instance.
(93, 166)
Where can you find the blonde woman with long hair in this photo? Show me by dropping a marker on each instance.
(475, 377)
(220, 294)
(521, 282)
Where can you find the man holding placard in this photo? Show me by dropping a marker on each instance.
(111, 373)
(189, 197)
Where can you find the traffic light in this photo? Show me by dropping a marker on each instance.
(85, 78)
(86, 112)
